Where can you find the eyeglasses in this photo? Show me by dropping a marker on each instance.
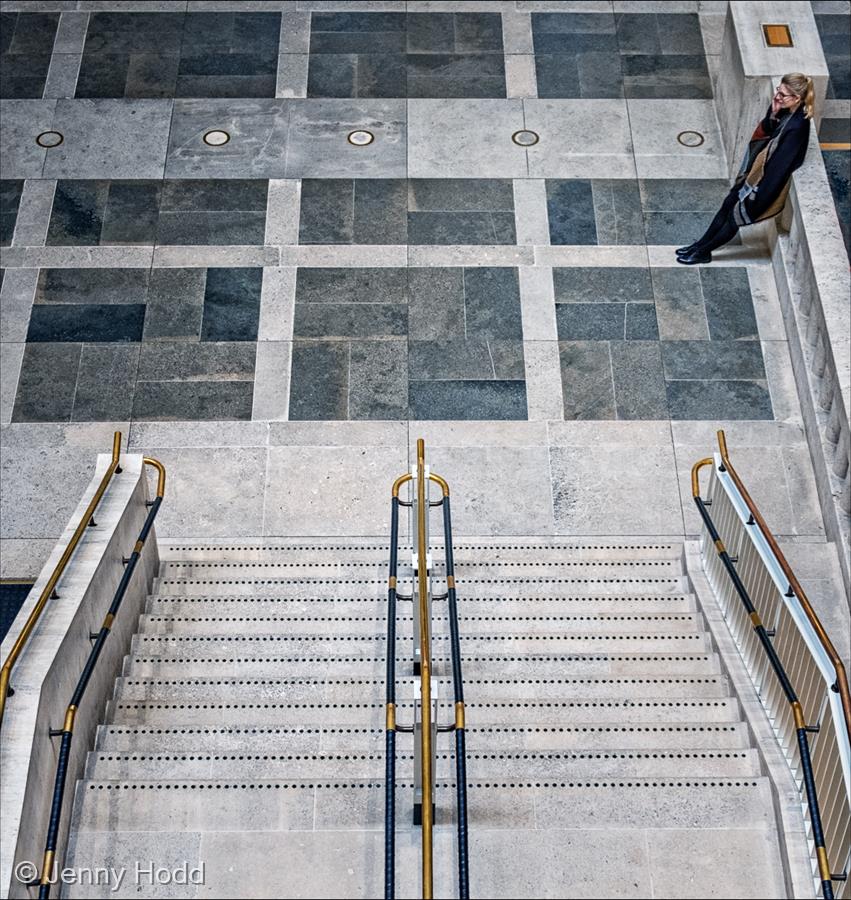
(783, 96)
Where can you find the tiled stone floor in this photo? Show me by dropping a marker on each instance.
(294, 309)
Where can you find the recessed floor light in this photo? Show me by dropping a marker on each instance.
(216, 138)
(360, 138)
(50, 139)
(525, 138)
(690, 138)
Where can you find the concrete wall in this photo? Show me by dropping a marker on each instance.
(50, 665)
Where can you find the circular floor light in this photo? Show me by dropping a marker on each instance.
(216, 138)
(360, 138)
(525, 138)
(690, 138)
(50, 139)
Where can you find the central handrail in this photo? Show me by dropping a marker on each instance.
(425, 727)
(49, 591)
(66, 733)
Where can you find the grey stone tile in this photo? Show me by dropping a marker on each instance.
(641, 322)
(378, 383)
(492, 303)
(587, 385)
(282, 211)
(110, 139)
(71, 33)
(729, 308)
(189, 400)
(277, 304)
(350, 320)
(639, 380)
(537, 303)
(231, 304)
(47, 383)
(436, 303)
(257, 148)
(319, 386)
(16, 299)
(92, 286)
(467, 400)
(595, 284)
(318, 147)
(679, 305)
(23, 120)
(34, 213)
(570, 207)
(105, 383)
(590, 321)
(327, 211)
(530, 210)
(272, 380)
(338, 285)
(175, 305)
(717, 400)
(10, 370)
(713, 360)
(292, 75)
(192, 363)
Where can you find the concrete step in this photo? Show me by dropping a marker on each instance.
(371, 714)
(466, 569)
(267, 804)
(341, 690)
(264, 644)
(672, 603)
(268, 738)
(481, 764)
(601, 624)
(631, 665)
(516, 549)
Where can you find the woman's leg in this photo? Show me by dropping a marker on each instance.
(720, 226)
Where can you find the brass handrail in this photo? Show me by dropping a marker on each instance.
(50, 587)
(425, 672)
(794, 584)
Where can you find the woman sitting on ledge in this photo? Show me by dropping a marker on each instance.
(777, 148)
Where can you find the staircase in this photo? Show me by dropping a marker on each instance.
(607, 756)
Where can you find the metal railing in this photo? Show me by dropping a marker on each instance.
(424, 727)
(66, 733)
(799, 676)
(49, 592)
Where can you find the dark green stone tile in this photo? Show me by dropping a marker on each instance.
(380, 211)
(641, 322)
(713, 360)
(232, 65)
(32, 33)
(319, 386)
(92, 286)
(682, 195)
(461, 228)
(639, 380)
(436, 303)
(329, 43)
(430, 33)
(350, 320)
(78, 211)
(152, 75)
(47, 383)
(719, 400)
(573, 23)
(103, 75)
(478, 31)
(132, 213)
(558, 76)
(175, 305)
(80, 322)
(590, 321)
(586, 379)
(231, 304)
(207, 228)
(617, 211)
(106, 383)
(10, 199)
(475, 359)
(332, 75)
(381, 75)
(358, 21)
(492, 303)
(214, 195)
(593, 284)
(163, 401)
(134, 32)
(378, 383)
(192, 362)
(570, 208)
(332, 285)
(461, 194)
(679, 304)
(467, 400)
(225, 86)
(327, 211)
(729, 307)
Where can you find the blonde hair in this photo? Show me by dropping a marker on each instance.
(802, 85)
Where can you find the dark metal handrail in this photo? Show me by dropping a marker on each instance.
(425, 675)
(49, 592)
(781, 675)
(67, 731)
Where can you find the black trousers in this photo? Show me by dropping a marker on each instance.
(722, 228)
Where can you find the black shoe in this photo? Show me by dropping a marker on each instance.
(684, 251)
(695, 258)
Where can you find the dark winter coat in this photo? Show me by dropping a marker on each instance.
(777, 148)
